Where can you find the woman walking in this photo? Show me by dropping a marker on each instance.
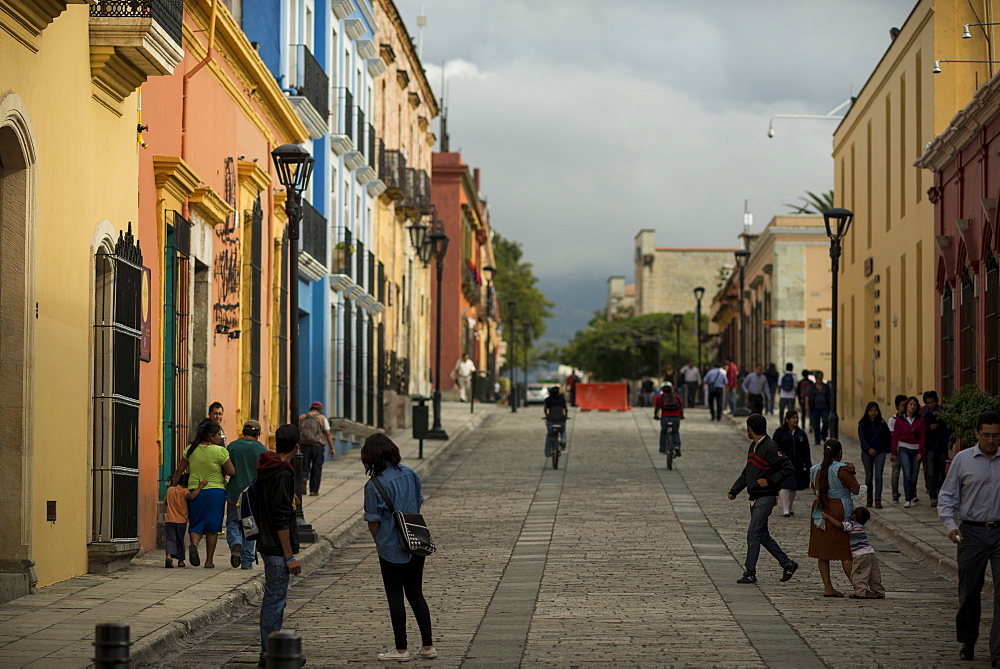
(908, 447)
(876, 442)
(206, 460)
(834, 482)
(771, 373)
(402, 572)
(793, 442)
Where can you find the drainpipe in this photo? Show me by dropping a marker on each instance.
(186, 82)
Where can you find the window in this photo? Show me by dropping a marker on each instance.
(947, 342)
(253, 263)
(176, 341)
(117, 323)
(992, 295)
(968, 326)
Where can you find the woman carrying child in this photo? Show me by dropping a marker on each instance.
(834, 482)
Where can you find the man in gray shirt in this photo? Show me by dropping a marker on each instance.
(969, 506)
(756, 388)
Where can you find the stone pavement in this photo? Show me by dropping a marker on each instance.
(55, 628)
(609, 561)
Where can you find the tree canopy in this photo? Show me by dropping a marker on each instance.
(516, 280)
(630, 348)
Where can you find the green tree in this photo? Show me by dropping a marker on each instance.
(630, 348)
(812, 203)
(515, 280)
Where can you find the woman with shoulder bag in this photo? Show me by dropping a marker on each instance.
(793, 442)
(402, 572)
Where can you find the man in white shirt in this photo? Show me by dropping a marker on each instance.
(463, 375)
(692, 379)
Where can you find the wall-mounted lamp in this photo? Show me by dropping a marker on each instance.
(937, 63)
(235, 334)
(829, 116)
(221, 329)
(965, 30)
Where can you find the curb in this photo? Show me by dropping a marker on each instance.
(149, 648)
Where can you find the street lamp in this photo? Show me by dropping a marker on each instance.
(526, 333)
(437, 242)
(512, 396)
(838, 222)
(294, 166)
(490, 272)
(699, 292)
(678, 321)
(742, 257)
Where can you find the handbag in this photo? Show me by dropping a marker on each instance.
(414, 537)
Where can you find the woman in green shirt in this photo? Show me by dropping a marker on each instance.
(206, 460)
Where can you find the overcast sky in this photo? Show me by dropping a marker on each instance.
(593, 119)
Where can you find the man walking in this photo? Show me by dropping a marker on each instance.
(936, 439)
(215, 413)
(279, 538)
(314, 430)
(692, 379)
(786, 391)
(732, 374)
(766, 468)
(463, 375)
(244, 453)
(969, 506)
(716, 381)
(818, 407)
(757, 390)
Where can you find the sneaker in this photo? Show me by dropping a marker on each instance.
(878, 504)
(907, 505)
(392, 655)
(677, 452)
(425, 654)
(169, 564)
(747, 578)
(915, 499)
(235, 555)
(967, 652)
(180, 563)
(193, 557)
(789, 571)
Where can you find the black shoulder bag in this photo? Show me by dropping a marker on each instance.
(414, 537)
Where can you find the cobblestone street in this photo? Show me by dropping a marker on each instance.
(609, 560)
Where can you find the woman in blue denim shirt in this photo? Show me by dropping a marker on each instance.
(402, 572)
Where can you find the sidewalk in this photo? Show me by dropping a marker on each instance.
(918, 531)
(55, 628)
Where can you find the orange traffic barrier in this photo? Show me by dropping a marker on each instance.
(602, 397)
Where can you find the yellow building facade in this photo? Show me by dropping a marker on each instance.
(68, 171)
(887, 301)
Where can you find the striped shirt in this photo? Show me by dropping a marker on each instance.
(858, 538)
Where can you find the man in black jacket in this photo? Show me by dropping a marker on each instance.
(766, 468)
(279, 538)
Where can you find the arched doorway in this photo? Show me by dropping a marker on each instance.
(17, 224)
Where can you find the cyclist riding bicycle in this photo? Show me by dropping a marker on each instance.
(556, 414)
(669, 410)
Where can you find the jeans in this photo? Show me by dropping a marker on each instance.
(755, 402)
(690, 394)
(665, 423)
(821, 424)
(934, 464)
(406, 578)
(980, 545)
(731, 399)
(549, 433)
(235, 538)
(758, 535)
(894, 477)
(769, 403)
(312, 465)
(715, 402)
(874, 464)
(272, 606)
(785, 404)
(911, 468)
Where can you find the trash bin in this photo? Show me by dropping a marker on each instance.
(419, 417)
(481, 385)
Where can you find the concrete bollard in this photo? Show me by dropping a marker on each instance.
(284, 650)
(111, 646)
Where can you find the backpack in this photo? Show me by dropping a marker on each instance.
(670, 402)
(249, 527)
(788, 381)
(310, 429)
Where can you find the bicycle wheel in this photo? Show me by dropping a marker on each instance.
(670, 456)
(555, 456)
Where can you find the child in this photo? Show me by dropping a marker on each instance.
(175, 524)
(866, 576)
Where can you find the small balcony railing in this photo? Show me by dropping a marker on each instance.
(313, 233)
(392, 171)
(417, 193)
(373, 144)
(312, 81)
(362, 126)
(348, 115)
(168, 13)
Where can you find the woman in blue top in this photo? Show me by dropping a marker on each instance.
(876, 441)
(834, 483)
(402, 572)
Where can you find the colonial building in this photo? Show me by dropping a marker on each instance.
(888, 313)
(621, 298)
(72, 302)
(666, 276)
(965, 160)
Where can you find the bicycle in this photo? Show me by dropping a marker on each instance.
(556, 438)
(671, 429)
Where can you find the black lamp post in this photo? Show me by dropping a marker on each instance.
(678, 321)
(742, 257)
(437, 242)
(526, 333)
(699, 292)
(838, 222)
(511, 306)
(294, 166)
(490, 272)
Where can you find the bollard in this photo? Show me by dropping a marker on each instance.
(111, 646)
(284, 650)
